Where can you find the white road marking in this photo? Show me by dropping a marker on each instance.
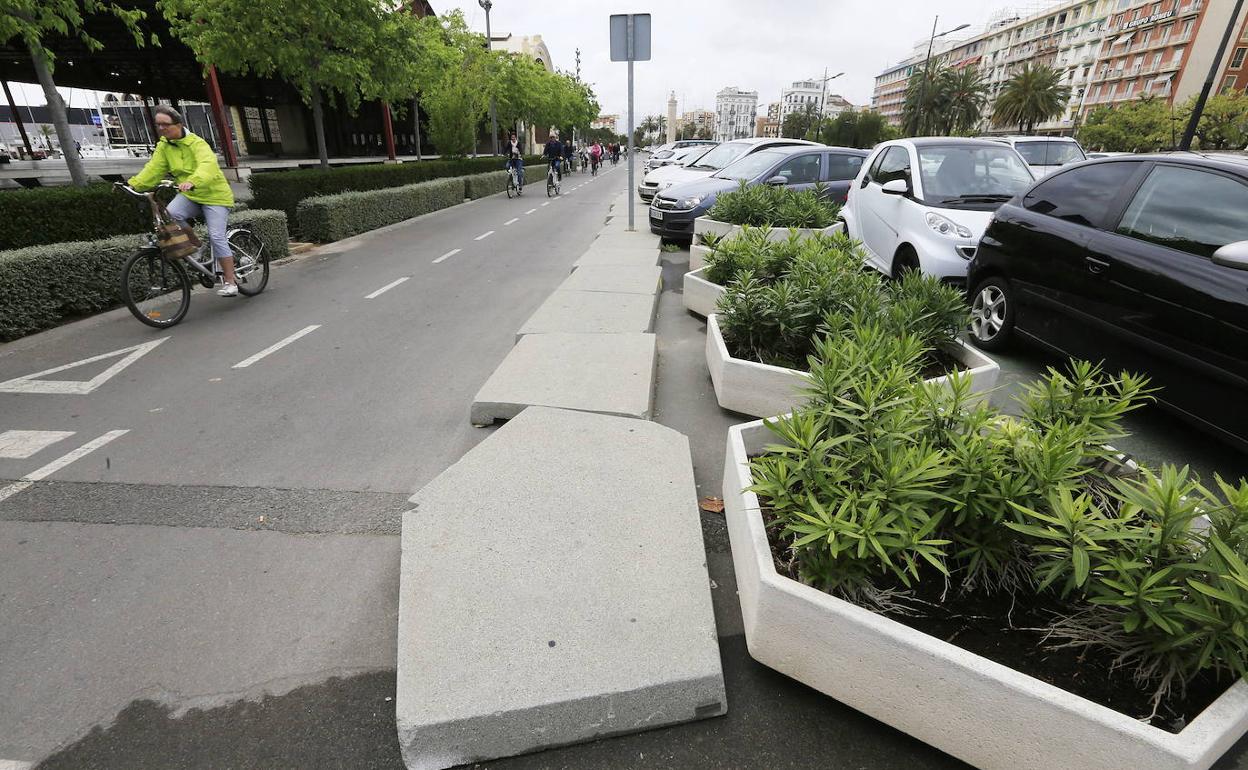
(246, 362)
(530, 211)
(484, 235)
(447, 255)
(547, 203)
(57, 464)
(21, 444)
(32, 384)
(386, 288)
(13, 764)
(511, 221)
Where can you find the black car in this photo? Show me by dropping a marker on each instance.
(1140, 261)
(800, 167)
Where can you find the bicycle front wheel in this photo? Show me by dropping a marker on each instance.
(251, 262)
(550, 186)
(157, 292)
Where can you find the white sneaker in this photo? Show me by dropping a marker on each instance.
(228, 290)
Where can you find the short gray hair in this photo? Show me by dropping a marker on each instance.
(168, 112)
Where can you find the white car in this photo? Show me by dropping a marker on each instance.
(677, 157)
(931, 220)
(1045, 154)
(715, 159)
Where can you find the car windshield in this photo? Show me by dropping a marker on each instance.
(664, 154)
(972, 175)
(1049, 153)
(749, 167)
(721, 156)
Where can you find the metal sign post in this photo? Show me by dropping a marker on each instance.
(630, 42)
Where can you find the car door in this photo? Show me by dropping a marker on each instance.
(879, 214)
(1178, 316)
(839, 171)
(1060, 298)
(800, 172)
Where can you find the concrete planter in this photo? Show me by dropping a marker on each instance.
(697, 255)
(970, 707)
(700, 295)
(708, 226)
(760, 390)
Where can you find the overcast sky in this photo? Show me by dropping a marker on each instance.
(701, 46)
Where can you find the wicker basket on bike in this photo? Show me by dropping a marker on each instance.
(175, 239)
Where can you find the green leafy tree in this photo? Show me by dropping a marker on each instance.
(324, 48)
(799, 123)
(33, 22)
(1223, 122)
(923, 99)
(1143, 125)
(1032, 95)
(859, 129)
(951, 102)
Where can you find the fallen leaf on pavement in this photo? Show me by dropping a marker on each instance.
(711, 504)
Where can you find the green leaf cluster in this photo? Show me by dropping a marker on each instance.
(766, 205)
(944, 101)
(1033, 94)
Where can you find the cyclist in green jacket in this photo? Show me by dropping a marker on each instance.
(203, 191)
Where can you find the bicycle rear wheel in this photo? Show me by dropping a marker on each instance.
(550, 186)
(251, 262)
(157, 292)
(511, 186)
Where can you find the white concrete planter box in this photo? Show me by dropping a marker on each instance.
(968, 706)
(701, 296)
(697, 255)
(760, 390)
(708, 226)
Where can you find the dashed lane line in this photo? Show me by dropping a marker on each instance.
(386, 288)
(530, 211)
(511, 221)
(447, 255)
(547, 203)
(484, 235)
(270, 350)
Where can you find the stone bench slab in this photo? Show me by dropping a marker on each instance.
(606, 373)
(635, 256)
(592, 312)
(553, 590)
(625, 279)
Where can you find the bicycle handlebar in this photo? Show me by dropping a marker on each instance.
(128, 189)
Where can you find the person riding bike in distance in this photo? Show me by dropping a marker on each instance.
(203, 191)
(595, 155)
(554, 153)
(515, 158)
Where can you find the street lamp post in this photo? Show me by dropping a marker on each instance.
(927, 66)
(823, 100)
(489, 46)
(1199, 107)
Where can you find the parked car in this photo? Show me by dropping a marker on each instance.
(800, 167)
(676, 157)
(1092, 155)
(1140, 261)
(1045, 154)
(717, 158)
(932, 220)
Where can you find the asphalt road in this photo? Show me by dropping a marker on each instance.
(260, 503)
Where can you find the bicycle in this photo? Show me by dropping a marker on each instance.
(513, 181)
(147, 278)
(552, 180)
(593, 166)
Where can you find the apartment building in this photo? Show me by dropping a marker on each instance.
(699, 120)
(735, 111)
(890, 85)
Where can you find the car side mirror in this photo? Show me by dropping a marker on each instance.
(777, 181)
(896, 187)
(1233, 255)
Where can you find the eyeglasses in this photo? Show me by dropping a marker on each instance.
(165, 124)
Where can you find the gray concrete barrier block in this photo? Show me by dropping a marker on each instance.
(553, 590)
(625, 279)
(606, 373)
(592, 312)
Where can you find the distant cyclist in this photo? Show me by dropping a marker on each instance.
(204, 193)
(595, 156)
(515, 158)
(554, 153)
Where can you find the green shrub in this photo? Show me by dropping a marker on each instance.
(41, 286)
(285, 189)
(775, 206)
(61, 214)
(480, 185)
(328, 218)
(755, 252)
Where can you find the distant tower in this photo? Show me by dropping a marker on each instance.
(671, 117)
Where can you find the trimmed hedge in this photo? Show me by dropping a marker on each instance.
(41, 286)
(481, 185)
(326, 218)
(285, 189)
(61, 214)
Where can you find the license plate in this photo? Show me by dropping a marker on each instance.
(655, 214)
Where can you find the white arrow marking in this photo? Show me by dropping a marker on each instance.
(60, 462)
(32, 384)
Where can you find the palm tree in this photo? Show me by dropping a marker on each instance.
(1032, 95)
(965, 93)
(924, 85)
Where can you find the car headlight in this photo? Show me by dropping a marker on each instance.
(946, 226)
(690, 202)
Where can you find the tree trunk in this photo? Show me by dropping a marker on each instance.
(318, 127)
(57, 107)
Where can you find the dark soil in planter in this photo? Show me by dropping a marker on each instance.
(1004, 630)
(935, 363)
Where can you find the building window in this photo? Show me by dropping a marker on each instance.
(1228, 84)
(1238, 60)
(1178, 55)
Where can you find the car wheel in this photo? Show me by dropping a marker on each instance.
(906, 260)
(992, 314)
